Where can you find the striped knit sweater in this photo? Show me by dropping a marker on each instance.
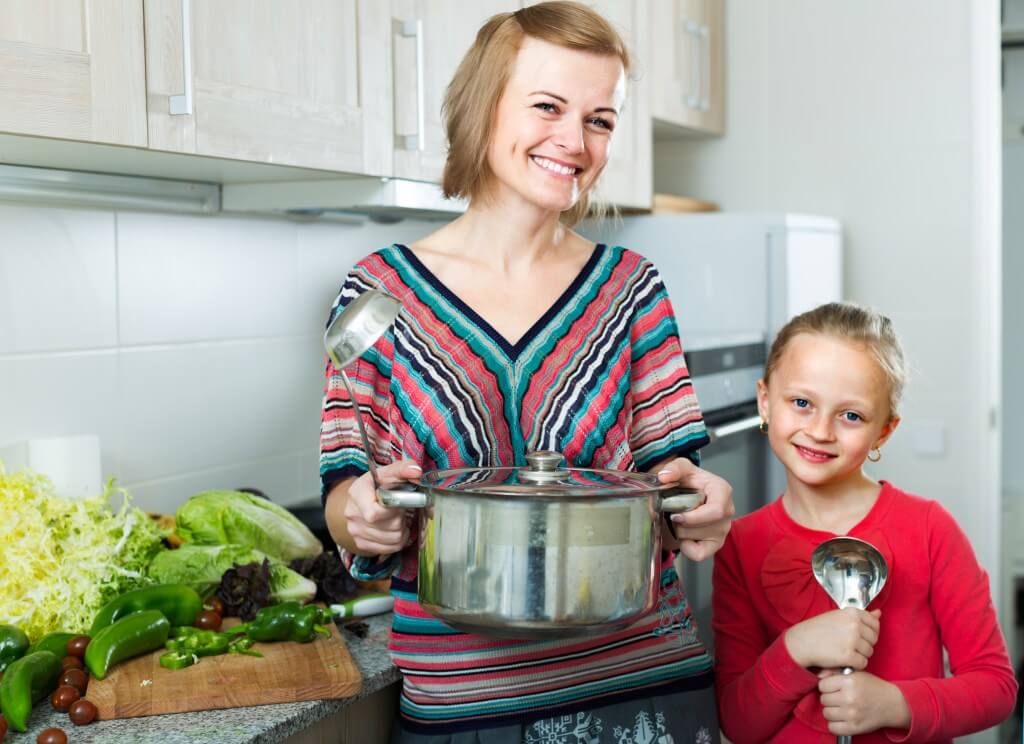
(600, 378)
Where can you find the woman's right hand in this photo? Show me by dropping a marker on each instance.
(840, 638)
(376, 529)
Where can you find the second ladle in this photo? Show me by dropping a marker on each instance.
(350, 335)
(852, 572)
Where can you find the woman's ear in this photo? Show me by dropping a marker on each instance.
(762, 399)
(887, 431)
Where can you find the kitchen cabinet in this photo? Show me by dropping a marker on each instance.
(255, 80)
(73, 70)
(686, 62)
(428, 39)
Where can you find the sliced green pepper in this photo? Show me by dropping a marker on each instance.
(188, 645)
(288, 621)
(127, 638)
(27, 681)
(55, 643)
(177, 660)
(13, 645)
(178, 603)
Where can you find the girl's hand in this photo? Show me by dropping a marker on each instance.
(859, 703)
(376, 529)
(703, 530)
(841, 638)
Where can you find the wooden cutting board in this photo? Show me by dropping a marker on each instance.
(288, 672)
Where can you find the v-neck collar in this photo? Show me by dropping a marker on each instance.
(512, 351)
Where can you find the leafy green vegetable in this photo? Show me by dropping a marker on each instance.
(239, 518)
(63, 559)
(202, 566)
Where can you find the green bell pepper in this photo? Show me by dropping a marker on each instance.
(27, 681)
(127, 638)
(55, 643)
(13, 645)
(178, 603)
(288, 621)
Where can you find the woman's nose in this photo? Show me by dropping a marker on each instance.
(569, 137)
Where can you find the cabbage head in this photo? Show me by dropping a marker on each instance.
(202, 566)
(239, 518)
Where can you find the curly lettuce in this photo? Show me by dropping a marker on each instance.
(63, 559)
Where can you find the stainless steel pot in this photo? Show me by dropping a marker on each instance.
(541, 551)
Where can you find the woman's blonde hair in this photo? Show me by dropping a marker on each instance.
(473, 94)
(849, 322)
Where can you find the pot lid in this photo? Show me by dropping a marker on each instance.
(545, 477)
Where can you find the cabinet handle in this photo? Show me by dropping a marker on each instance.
(705, 69)
(734, 427)
(181, 104)
(418, 141)
(696, 78)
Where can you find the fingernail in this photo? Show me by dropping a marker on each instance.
(416, 467)
(666, 471)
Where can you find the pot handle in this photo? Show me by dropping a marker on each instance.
(679, 500)
(404, 498)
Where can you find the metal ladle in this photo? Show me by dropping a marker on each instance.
(350, 334)
(852, 572)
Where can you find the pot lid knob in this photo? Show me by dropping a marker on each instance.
(544, 466)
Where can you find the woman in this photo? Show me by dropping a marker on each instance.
(517, 335)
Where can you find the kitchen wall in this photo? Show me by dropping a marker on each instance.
(190, 345)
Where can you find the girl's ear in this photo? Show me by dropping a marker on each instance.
(762, 399)
(887, 431)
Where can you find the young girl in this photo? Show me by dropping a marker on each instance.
(517, 334)
(828, 401)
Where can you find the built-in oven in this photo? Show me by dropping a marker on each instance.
(725, 374)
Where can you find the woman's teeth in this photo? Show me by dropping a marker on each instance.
(555, 167)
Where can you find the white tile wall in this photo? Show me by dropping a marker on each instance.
(190, 345)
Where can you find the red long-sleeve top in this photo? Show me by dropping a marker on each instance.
(936, 596)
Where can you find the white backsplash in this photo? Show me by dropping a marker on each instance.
(190, 345)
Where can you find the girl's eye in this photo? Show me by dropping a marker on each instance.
(547, 107)
(852, 417)
(801, 402)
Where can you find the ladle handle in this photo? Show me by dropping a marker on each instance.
(370, 464)
(844, 739)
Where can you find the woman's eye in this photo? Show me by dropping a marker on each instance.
(546, 107)
(602, 123)
(801, 402)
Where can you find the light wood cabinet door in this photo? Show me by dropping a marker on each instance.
(686, 56)
(73, 70)
(428, 41)
(272, 82)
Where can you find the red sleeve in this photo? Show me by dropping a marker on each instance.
(982, 691)
(757, 682)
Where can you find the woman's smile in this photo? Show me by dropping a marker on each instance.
(558, 168)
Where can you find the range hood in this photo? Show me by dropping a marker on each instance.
(380, 198)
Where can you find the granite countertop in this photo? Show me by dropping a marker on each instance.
(259, 724)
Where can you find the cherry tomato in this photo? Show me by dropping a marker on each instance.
(208, 620)
(52, 736)
(76, 678)
(214, 604)
(71, 662)
(77, 646)
(82, 712)
(63, 697)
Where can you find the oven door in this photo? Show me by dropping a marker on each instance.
(738, 452)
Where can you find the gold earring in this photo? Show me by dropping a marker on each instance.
(878, 454)
(763, 426)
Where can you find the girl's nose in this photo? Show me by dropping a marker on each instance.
(820, 428)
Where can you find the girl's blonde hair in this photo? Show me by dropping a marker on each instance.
(473, 94)
(849, 322)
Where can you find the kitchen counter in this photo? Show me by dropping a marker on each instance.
(260, 724)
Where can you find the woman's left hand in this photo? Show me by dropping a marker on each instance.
(701, 530)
